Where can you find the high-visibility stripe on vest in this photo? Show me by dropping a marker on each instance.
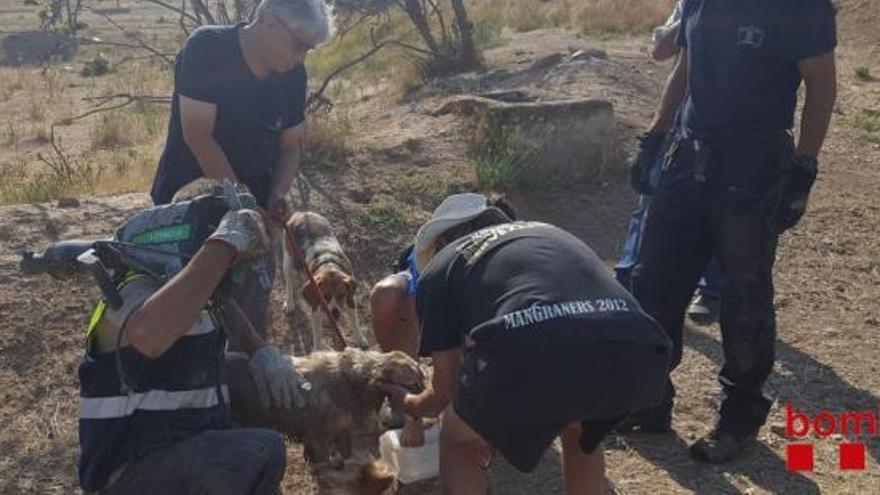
(154, 400)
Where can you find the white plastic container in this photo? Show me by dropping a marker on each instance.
(412, 464)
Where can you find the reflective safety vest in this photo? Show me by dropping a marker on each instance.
(155, 403)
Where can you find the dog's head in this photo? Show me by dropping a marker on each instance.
(360, 474)
(337, 287)
(398, 368)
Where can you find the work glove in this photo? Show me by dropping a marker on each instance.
(650, 145)
(244, 231)
(786, 201)
(278, 383)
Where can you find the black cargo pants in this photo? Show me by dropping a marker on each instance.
(707, 204)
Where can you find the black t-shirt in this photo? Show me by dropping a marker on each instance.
(521, 281)
(742, 62)
(251, 113)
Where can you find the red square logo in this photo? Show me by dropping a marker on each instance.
(799, 457)
(852, 457)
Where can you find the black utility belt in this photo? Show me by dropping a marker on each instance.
(702, 148)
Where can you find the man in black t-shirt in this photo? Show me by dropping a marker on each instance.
(238, 103)
(238, 113)
(531, 338)
(733, 181)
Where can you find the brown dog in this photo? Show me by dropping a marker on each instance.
(341, 415)
(332, 271)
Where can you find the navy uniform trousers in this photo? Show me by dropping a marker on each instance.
(707, 204)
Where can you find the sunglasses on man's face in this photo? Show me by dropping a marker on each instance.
(295, 40)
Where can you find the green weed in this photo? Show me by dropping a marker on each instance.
(864, 73)
(387, 214)
(505, 164)
(868, 121)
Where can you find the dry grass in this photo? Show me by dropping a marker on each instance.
(129, 126)
(328, 141)
(585, 16)
(127, 170)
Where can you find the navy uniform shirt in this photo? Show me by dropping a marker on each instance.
(522, 283)
(251, 112)
(742, 62)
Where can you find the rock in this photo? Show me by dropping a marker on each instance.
(361, 196)
(589, 54)
(567, 140)
(68, 203)
(546, 62)
(35, 48)
(510, 96)
(463, 105)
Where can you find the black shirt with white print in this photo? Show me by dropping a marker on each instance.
(525, 281)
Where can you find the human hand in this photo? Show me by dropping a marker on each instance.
(650, 145)
(243, 230)
(396, 394)
(786, 202)
(279, 210)
(278, 383)
(413, 432)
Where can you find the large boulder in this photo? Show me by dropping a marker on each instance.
(35, 48)
(568, 140)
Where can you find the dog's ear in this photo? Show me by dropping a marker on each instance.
(376, 478)
(351, 284)
(310, 294)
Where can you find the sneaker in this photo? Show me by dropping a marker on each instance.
(656, 420)
(719, 447)
(704, 310)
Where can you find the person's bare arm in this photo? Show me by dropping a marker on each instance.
(820, 80)
(665, 45)
(197, 119)
(176, 307)
(434, 399)
(673, 95)
(285, 170)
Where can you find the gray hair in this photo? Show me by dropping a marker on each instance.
(310, 19)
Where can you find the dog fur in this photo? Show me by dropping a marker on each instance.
(341, 415)
(332, 271)
(360, 474)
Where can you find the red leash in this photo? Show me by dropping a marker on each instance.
(294, 250)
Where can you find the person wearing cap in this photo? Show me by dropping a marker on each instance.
(530, 338)
(238, 113)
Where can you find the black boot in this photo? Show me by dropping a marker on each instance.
(719, 447)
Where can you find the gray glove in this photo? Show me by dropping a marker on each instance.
(244, 231)
(278, 383)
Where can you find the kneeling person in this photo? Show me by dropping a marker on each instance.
(154, 414)
(531, 339)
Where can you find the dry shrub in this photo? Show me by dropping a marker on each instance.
(620, 15)
(588, 16)
(327, 141)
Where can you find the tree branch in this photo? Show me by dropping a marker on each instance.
(182, 12)
(104, 99)
(131, 36)
(318, 96)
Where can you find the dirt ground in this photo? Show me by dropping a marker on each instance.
(403, 161)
